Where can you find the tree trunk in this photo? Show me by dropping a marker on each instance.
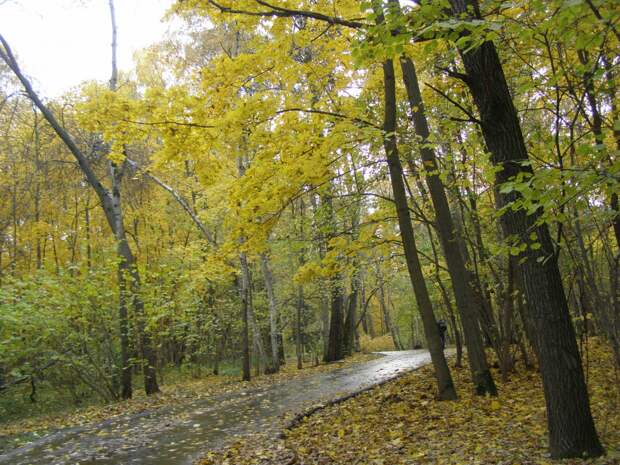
(336, 325)
(129, 286)
(459, 275)
(445, 385)
(246, 284)
(351, 317)
(273, 312)
(335, 344)
(245, 331)
(571, 427)
(298, 327)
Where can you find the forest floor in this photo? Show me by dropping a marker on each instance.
(17, 432)
(400, 422)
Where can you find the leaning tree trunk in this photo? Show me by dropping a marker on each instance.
(571, 428)
(105, 197)
(445, 384)
(459, 275)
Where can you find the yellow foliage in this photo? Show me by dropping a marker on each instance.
(377, 344)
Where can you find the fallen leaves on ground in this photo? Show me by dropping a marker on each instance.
(184, 391)
(401, 423)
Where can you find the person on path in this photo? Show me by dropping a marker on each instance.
(442, 327)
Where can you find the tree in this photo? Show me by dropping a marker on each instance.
(571, 428)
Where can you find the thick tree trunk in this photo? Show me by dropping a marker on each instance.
(336, 325)
(351, 317)
(335, 344)
(571, 427)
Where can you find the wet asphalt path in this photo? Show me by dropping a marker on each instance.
(179, 434)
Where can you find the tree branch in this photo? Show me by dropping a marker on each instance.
(178, 197)
(6, 54)
(472, 118)
(329, 113)
(281, 12)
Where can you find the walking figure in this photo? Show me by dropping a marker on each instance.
(442, 327)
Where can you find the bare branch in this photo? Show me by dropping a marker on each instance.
(472, 118)
(178, 197)
(329, 113)
(281, 12)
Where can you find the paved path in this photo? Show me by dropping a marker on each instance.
(179, 434)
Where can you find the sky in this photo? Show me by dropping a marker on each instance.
(61, 43)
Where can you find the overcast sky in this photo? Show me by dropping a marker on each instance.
(61, 43)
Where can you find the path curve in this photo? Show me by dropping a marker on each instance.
(179, 434)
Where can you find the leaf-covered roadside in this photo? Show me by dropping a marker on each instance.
(401, 423)
(25, 430)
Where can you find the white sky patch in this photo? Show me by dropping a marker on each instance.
(61, 43)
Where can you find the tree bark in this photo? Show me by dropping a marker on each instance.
(463, 292)
(127, 267)
(245, 331)
(298, 327)
(571, 427)
(335, 346)
(273, 312)
(445, 384)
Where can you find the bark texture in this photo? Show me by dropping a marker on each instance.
(571, 428)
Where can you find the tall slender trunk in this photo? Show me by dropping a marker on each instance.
(129, 287)
(298, 327)
(351, 316)
(447, 302)
(571, 428)
(459, 275)
(245, 333)
(596, 124)
(129, 276)
(336, 324)
(335, 344)
(273, 311)
(37, 188)
(323, 297)
(246, 285)
(89, 253)
(445, 384)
